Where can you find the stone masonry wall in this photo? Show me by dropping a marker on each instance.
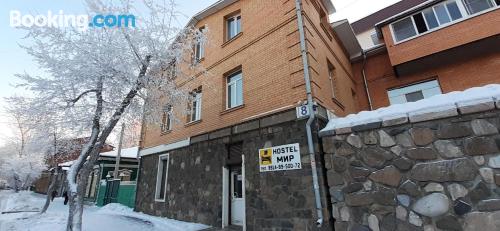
(435, 175)
(282, 200)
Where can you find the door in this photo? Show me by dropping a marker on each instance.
(237, 198)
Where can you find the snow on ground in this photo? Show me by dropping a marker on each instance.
(432, 104)
(113, 217)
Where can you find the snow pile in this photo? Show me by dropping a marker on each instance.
(158, 223)
(22, 201)
(112, 217)
(435, 103)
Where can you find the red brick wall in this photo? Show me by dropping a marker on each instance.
(268, 51)
(454, 77)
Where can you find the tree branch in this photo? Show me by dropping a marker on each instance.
(73, 101)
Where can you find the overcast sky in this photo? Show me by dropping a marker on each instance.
(14, 60)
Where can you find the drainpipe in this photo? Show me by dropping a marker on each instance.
(366, 82)
(310, 144)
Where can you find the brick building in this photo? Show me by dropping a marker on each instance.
(415, 49)
(266, 61)
(206, 168)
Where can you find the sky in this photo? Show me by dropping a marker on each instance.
(14, 60)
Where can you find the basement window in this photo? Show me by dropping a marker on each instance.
(161, 177)
(414, 92)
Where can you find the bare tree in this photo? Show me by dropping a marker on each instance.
(99, 76)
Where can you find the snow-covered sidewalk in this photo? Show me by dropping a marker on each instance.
(109, 218)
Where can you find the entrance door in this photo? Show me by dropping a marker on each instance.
(237, 199)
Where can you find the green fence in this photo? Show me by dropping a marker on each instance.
(126, 193)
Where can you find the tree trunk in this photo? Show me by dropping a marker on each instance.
(52, 184)
(17, 183)
(82, 185)
(71, 210)
(85, 165)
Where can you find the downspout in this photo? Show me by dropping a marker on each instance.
(367, 91)
(310, 144)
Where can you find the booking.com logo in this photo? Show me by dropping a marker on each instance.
(82, 21)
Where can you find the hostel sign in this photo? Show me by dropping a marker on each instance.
(280, 158)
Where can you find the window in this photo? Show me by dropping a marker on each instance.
(166, 120)
(233, 26)
(194, 106)
(331, 77)
(475, 6)
(199, 50)
(420, 23)
(454, 11)
(235, 90)
(404, 29)
(161, 177)
(439, 15)
(414, 92)
(431, 19)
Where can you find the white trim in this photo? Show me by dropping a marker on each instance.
(225, 196)
(243, 192)
(165, 147)
(161, 158)
(465, 16)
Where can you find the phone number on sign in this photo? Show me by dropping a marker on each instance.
(280, 167)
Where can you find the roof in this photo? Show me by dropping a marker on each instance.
(448, 104)
(221, 4)
(125, 153)
(329, 6)
(370, 21)
(346, 35)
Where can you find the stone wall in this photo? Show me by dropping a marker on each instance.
(439, 174)
(282, 200)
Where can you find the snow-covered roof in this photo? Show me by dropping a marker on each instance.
(439, 106)
(67, 163)
(125, 153)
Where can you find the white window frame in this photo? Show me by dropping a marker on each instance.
(161, 159)
(493, 3)
(196, 111)
(167, 126)
(461, 7)
(331, 77)
(234, 84)
(199, 49)
(235, 28)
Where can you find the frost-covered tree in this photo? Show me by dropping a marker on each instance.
(23, 156)
(20, 171)
(99, 76)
